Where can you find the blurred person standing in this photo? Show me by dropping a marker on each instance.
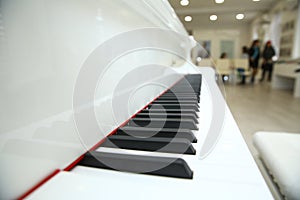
(254, 55)
(245, 55)
(267, 65)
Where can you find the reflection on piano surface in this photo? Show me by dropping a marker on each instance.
(147, 141)
(150, 113)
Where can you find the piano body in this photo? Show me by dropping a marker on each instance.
(80, 81)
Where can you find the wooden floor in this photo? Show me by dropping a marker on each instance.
(260, 108)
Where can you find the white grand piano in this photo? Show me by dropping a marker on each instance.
(79, 80)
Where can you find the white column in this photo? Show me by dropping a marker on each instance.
(296, 52)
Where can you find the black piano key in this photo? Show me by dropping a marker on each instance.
(193, 76)
(174, 106)
(182, 92)
(178, 98)
(170, 93)
(187, 82)
(157, 132)
(190, 84)
(158, 101)
(163, 123)
(178, 95)
(183, 111)
(186, 101)
(166, 145)
(160, 166)
(187, 87)
(167, 116)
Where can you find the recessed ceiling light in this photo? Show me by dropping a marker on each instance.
(219, 1)
(188, 18)
(240, 16)
(213, 17)
(255, 0)
(184, 2)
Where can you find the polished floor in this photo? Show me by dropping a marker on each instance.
(258, 107)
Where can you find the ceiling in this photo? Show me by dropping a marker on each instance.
(200, 10)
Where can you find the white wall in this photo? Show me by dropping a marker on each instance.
(268, 25)
(240, 34)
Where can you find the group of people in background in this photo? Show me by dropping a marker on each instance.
(254, 54)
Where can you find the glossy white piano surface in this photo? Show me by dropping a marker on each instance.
(45, 44)
(229, 172)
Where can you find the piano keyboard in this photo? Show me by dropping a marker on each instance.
(144, 161)
(140, 134)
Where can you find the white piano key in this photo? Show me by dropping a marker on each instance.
(105, 184)
(137, 152)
